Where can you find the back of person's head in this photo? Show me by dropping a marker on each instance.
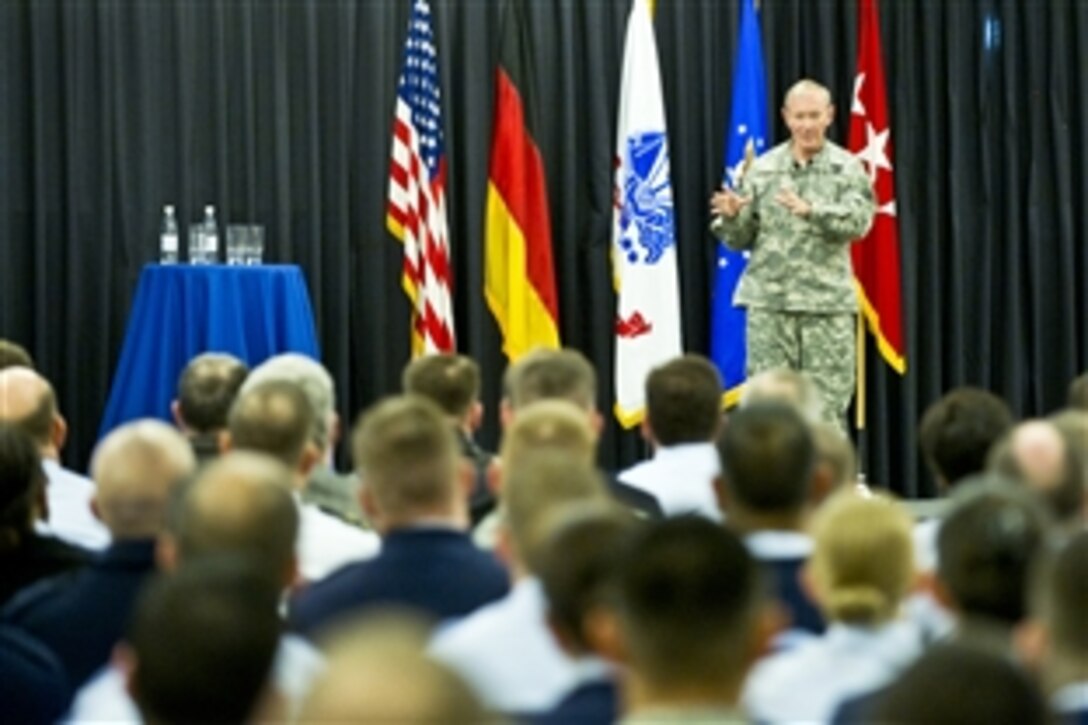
(835, 454)
(862, 563)
(689, 601)
(987, 546)
(580, 556)
(377, 672)
(536, 486)
(782, 385)
(22, 484)
(136, 468)
(1038, 454)
(767, 455)
(312, 379)
(274, 418)
(957, 432)
(12, 354)
(1078, 392)
(1058, 601)
(452, 382)
(954, 684)
(684, 401)
(552, 425)
(407, 457)
(204, 639)
(240, 505)
(27, 401)
(545, 374)
(207, 388)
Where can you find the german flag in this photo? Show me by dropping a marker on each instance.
(519, 277)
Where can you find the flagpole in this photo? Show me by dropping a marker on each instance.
(859, 400)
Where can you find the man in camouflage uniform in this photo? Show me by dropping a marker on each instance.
(797, 209)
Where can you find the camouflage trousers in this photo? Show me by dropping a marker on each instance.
(822, 346)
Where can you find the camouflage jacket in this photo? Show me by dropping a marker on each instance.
(800, 264)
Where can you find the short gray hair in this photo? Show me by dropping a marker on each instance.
(311, 377)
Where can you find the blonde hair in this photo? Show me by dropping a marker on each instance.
(863, 560)
(406, 454)
(552, 425)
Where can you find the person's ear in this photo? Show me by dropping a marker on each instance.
(562, 636)
(604, 633)
(771, 620)
(466, 478)
(1031, 642)
(335, 429)
(494, 476)
(369, 504)
(58, 433)
(475, 416)
(123, 660)
(645, 430)
(830, 113)
(310, 457)
(821, 484)
(506, 413)
(166, 552)
(225, 442)
(96, 508)
(596, 422)
(721, 494)
(175, 413)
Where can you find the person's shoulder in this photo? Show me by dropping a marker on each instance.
(839, 158)
(773, 159)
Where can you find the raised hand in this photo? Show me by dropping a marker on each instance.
(728, 203)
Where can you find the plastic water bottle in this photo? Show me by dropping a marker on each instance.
(168, 237)
(210, 234)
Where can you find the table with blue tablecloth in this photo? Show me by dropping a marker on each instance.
(181, 311)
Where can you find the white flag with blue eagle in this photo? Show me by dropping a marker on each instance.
(643, 231)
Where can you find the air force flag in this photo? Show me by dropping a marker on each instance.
(643, 240)
(745, 137)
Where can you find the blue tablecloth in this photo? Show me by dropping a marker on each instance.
(181, 311)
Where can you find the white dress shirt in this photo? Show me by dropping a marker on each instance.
(325, 543)
(506, 652)
(71, 519)
(809, 682)
(105, 698)
(681, 477)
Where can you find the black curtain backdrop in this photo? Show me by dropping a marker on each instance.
(279, 112)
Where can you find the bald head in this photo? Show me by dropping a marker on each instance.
(137, 467)
(1038, 454)
(27, 401)
(807, 88)
(240, 505)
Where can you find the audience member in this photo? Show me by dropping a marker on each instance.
(333, 492)
(954, 684)
(377, 673)
(782, 385)
(692, 620)
(566, 375)
(957, 432)
(81, 615)
(987, 547)
(1036, 453)
(836, 465)
(27, 401)
(206, 389)
(861, 570)
(25, 554)
(408, 461)
(240, 507)
(504, 650)
(767, 457)
(1055, 639)
(202, 644)
(683, 413)
(12, 354)
(452, 382)
(581, 556)
(276, 418)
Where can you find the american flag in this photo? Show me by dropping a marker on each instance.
(416, 210)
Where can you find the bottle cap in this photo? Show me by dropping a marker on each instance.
(209, 209)
(169, 208)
